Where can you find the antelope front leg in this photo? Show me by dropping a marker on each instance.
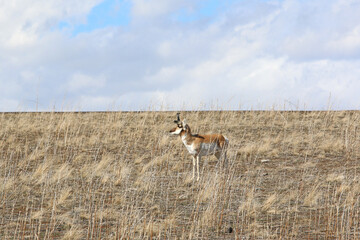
(194, 163)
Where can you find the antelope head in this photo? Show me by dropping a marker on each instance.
(181, 126)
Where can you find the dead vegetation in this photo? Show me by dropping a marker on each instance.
(291, 175)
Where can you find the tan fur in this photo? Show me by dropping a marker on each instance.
(201, 145)
(218, 139)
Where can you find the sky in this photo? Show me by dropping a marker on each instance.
(99, 55)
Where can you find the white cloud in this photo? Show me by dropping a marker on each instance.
(24, 22)
(79, 81)
(317, 30)
(10, 105)
(255, 53)
(155, 8)
(97, 102)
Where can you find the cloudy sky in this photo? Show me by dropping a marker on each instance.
(179, 54)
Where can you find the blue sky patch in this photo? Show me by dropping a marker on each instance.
(204, 9)
(118, 13)
(107, 13)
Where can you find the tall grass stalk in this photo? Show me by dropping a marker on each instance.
(117, 175)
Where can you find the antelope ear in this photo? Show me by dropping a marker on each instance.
(184, 123)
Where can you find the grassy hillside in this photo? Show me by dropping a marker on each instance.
(291, 175)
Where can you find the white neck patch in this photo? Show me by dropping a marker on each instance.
(177, 132)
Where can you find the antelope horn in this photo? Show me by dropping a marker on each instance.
(178, 118)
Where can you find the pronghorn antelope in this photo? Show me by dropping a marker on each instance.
(200, 145)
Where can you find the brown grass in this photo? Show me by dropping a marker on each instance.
(291, 175)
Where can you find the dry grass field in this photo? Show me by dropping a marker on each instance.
(118, 175)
